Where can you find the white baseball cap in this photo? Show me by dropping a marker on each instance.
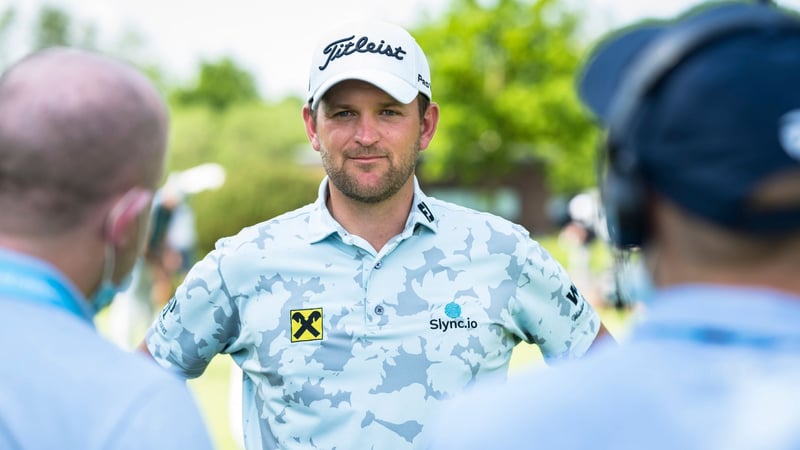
(379, 53)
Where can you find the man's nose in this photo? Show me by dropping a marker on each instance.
(367, 132)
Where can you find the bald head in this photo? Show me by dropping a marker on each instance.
(76, 128)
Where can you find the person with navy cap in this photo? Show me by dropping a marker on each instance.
(702, 176)
(354, 317)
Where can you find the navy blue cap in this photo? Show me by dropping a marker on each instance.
(718, 120)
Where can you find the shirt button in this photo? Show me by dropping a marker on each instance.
(379, 310)
(378, 265)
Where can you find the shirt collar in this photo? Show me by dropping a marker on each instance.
(26, 278)
(754, 310)
(322, 224)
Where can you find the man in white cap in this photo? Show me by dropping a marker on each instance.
(354, 317)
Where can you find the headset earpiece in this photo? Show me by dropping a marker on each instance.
(623, 192)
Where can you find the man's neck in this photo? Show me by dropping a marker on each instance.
(374, 222)
(669, 269)
(75, 255)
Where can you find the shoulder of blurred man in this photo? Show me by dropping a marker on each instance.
(60, 371)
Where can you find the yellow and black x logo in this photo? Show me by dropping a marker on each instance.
(306, 324)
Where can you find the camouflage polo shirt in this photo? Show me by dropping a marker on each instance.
(346, 347)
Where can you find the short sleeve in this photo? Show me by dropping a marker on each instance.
(549, 310)
(200, 321)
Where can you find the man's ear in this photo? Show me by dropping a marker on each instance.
(430, 121)
(125, 213)
(311, 126)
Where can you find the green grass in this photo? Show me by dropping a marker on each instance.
(211, 391)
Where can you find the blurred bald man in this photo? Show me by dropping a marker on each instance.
(82, 145)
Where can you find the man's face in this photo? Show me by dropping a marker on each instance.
(369, 142)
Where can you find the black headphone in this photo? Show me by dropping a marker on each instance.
(621, 180)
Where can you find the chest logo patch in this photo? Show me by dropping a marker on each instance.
(306, 324)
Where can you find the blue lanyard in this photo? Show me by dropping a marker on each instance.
(717, 336)
(30, 280)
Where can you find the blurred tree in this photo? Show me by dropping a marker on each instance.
(55, 27)
(269, 133)
(504, 75)
(7, 19)
(52, 28)
(219, 85)
(261, 148)
(243, 135)
(252, 194)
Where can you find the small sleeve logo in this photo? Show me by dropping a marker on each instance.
(306, 324)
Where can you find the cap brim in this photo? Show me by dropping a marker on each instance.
(600, 79)
(392, 85)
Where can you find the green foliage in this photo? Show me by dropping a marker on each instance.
(193, 137)
(504, 77)
(219, 85)
(260, 147)
(55, 27)
(251, 195)
(274, 131)
(7, 19)
(246, 134)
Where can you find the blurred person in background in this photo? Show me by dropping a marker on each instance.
(169, 252)
(702, 155)
(82, 143)
(577, 235)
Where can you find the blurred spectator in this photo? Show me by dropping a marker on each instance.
(170, 252)
(577, 236)
(82, 144)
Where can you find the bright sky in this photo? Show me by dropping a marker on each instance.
(275, 42)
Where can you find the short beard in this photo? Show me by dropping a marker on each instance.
(394, 180)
